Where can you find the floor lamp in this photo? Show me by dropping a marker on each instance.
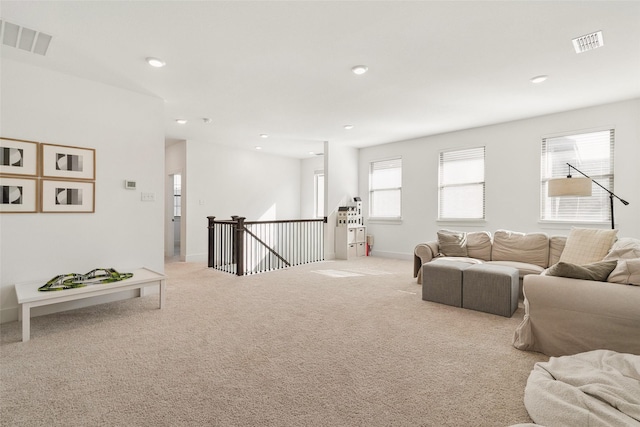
(570, 186)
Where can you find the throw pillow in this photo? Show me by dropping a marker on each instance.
(587, 245)
(627, 271)
(624, 248)
(598, 271)
(452, 243)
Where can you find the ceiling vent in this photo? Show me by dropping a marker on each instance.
(588, 42)
(24, 38)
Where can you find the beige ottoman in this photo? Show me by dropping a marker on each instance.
(490, 288)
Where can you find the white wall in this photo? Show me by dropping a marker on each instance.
(308, 169)
(222, 181)
(341, 186)
(512, 176)
(126, 129)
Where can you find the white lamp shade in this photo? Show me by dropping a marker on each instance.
(569, 187)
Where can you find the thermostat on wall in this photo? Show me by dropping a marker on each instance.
(129, 185)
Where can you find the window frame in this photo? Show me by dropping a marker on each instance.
(318, 195)
(177, 195)
(372, 190)
(607, 180)
(442, 186)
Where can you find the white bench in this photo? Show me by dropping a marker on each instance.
(29, 296)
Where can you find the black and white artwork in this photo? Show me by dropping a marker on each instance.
(68, 162)
(40, 177)
(11, 156)
(65, 162)
(68, 196)
(11, 194)
(18, 195)
(18, 157)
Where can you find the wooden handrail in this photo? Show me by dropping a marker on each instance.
(236, 246)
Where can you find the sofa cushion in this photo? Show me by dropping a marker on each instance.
(598, 271)
(624, 248)
(522, 267)
(627, 271)
(459, 259)
(626, 251)
(531, 248)
(556, 246)
(587, 245)
(452, 243)
(479, 245)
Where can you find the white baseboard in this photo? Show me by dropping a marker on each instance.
(393, 255)
(8, 315)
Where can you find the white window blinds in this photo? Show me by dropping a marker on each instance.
(385, 189)
(461, 184)
(592, 153)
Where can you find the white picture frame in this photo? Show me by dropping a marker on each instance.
(18, 157)
(18, 194)
(66, 162)
(59, 196)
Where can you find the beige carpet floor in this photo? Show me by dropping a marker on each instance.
(337, 343)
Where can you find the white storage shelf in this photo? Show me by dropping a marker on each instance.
(350, 242)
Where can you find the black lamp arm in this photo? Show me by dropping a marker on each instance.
(624, 202)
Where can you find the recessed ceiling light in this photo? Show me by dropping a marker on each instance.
(181, 121)
(539, 79)
(360, 69)
(156, 62)
(258, 148)
(348, 127)
(264, 135)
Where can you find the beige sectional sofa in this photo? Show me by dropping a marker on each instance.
(529, 253)
(563, 315)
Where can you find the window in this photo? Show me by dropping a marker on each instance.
(319, 192)
(461, 188)
(592, 153)
(385, 189)
(177, 195)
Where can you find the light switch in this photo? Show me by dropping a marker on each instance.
(148, 197)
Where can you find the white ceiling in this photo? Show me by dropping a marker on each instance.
(284, 68)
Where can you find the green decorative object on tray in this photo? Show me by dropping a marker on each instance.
(75, 280)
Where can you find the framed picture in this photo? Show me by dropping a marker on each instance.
(18, 157)
(61, 161)
(67, 196)
(18, 195)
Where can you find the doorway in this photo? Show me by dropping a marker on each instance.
(177, 213)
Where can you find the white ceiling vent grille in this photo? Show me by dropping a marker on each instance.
(24, 38)
(588, 42)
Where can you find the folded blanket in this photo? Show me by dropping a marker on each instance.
(596, 388)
